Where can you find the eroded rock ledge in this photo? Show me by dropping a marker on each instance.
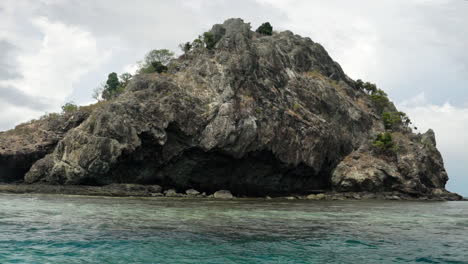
(257, 115)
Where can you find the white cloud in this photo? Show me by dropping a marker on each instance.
(348, 31)
(65, 55)
(446, 120)
(12, 115)
(396, 44)
(131, 68)
(50, 69)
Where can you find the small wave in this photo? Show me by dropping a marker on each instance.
(357, 242)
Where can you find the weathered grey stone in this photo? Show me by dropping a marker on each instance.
(172, 193)
(319, 196)
(154, 188)
(21, 147)
(223, 194)
(192, 192)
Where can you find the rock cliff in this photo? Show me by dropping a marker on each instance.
(257, 115)
(21, 147)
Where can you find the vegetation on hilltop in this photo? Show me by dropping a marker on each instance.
(265, 29)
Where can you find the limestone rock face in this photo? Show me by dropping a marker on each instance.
(21, 147)
(416, 167)
(257, 115)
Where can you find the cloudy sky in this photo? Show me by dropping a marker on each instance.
(55, 51)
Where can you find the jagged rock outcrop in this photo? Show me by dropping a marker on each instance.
(21, 147)
(416, 167)
(256, 115)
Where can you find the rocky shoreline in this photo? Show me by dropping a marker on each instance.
(156, 191)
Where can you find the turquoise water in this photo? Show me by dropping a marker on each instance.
(70, 229)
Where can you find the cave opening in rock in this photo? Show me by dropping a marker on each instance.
(257, 173)
(13, 168)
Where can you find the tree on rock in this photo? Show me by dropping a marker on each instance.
(185, 47)
(265, 29)
(156, 61)
(69, 107)
(210, 40)
(112, 87)
(125, 78)
(162, 55)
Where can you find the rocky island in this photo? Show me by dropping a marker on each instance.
(253, 113)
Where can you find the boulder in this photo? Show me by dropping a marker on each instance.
(172, 193)
(223, 194)
(192, 192)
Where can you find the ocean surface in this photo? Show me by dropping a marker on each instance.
(69, 229)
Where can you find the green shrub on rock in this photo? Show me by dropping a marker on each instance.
(209, 40)
(405, 119)
(156, 61)
(69, 107)
(370, 88)
(265, 29)
(112, 88)
(393, 119)
(164, 56)
(125, 78)
(359, 84)
(384, 142)
(198, 43)
(185, 47)
(380, 100)
(158, 67)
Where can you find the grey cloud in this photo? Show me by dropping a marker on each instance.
(152, 23)
(420, 46)
(7, 61)
(133, 28)
(18, 98)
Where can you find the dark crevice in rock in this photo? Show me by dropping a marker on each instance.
(390, 183)
(13, 168)
(138, 166)
(256, 174)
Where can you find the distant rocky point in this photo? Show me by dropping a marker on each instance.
(253, 113)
